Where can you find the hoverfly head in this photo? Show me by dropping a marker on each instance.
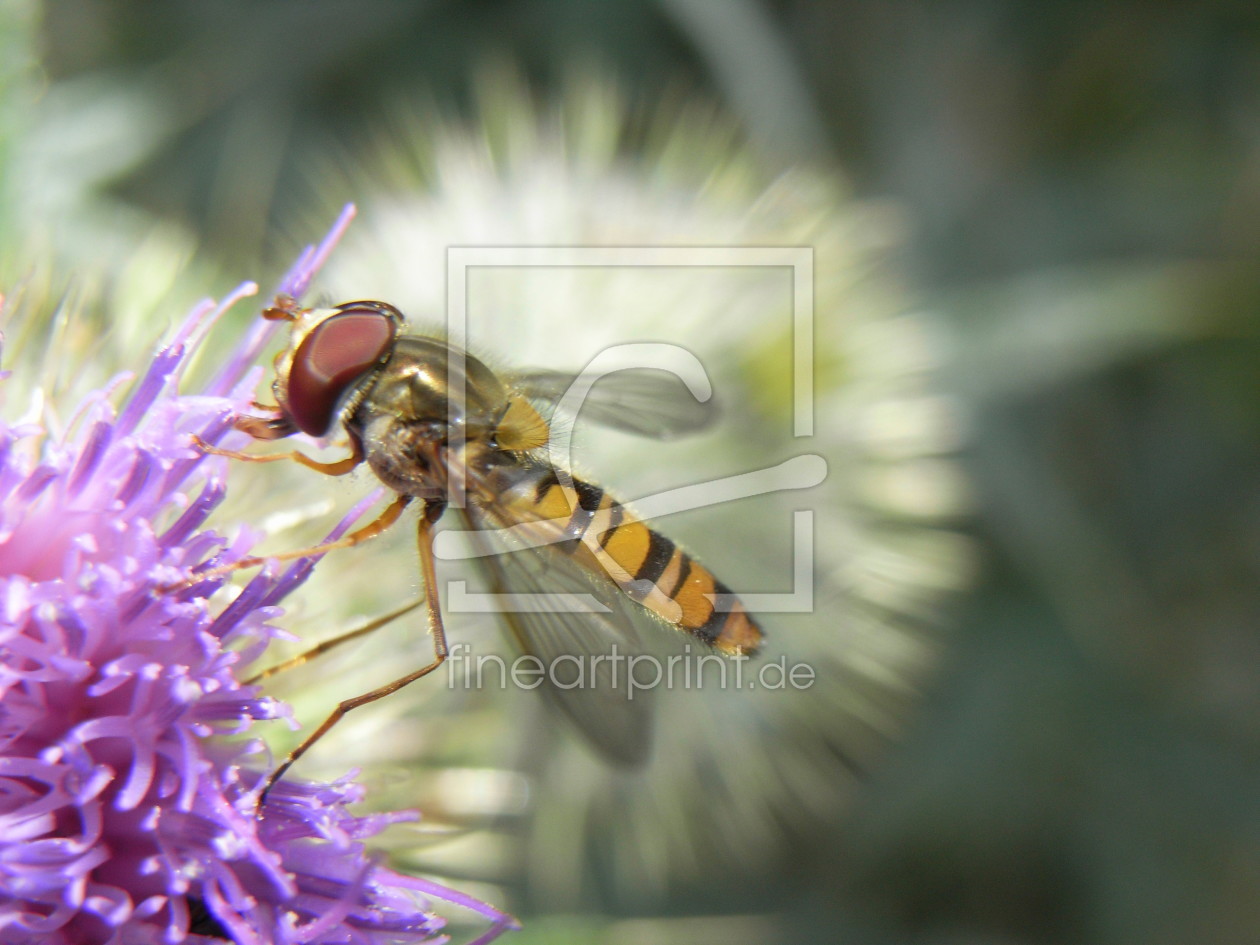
(330, 351)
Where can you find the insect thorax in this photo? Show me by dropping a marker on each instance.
(428, 397)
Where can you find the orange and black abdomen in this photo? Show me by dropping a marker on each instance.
(610, 539)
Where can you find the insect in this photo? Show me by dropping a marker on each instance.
(440, 428)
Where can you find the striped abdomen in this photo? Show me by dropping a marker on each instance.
(608, 538)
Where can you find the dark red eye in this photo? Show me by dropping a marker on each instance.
(333, 356)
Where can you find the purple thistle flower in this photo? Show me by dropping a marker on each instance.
(124, 817)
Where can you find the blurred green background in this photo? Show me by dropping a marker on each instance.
(1078, 194)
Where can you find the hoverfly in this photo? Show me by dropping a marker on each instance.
(435, 424)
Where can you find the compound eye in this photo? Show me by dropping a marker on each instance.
(336, 353)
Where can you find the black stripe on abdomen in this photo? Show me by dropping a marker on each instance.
(588, 498)
(711, 629)
(660, 551)
(684, 572)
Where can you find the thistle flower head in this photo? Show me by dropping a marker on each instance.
(124, 815)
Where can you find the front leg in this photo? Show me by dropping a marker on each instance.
(265, 428)
(337, 468)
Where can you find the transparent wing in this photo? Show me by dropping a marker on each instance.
(644, 401)
(585, 653)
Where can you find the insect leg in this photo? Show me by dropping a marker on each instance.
(283, 309)
(387, 518)
(265, 428)
(436, 628)
(337, 468)
(321, 648)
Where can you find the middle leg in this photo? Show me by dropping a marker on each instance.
(387, 518)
